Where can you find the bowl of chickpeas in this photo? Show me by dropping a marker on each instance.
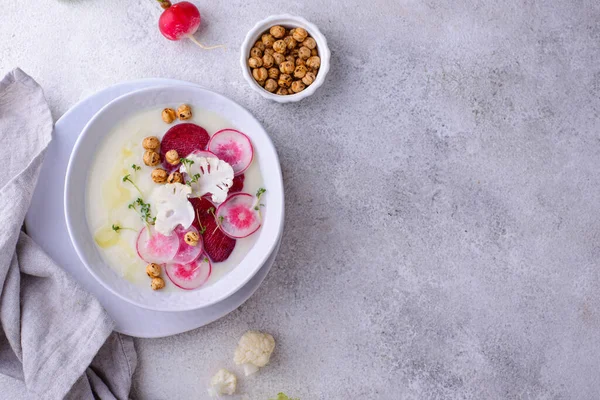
(285, 58)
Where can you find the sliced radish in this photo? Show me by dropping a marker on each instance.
(154, 247)
(191, 275)
(233, 147)
(186, 253)
(203, 153)
(238, 216)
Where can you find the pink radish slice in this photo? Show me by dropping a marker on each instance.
(186, 253)
(191, 275)
(204, 153)
(233, 147)
(155, 247)
(239, 218)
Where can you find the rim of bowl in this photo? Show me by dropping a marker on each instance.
(285, 19)
(71, 229)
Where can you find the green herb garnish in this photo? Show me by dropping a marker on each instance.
(258, 205)
(127, 178)
(143, 208)
(187, 163)
(135, 167)
(193, 180)
(202, 228)
(118, 228)
(219, 222)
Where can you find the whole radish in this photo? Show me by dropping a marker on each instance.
(180, 21)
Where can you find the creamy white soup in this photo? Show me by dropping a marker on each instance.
(108, 196)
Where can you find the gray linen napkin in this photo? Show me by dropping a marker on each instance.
(54, 336)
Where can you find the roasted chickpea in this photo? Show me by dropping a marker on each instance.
(300, 61)
(260, 45)
(314, 52)
(300, 34)
(184, 112)
(294, 52)
(255, 62)
(191, 238)
(286, 67)
(256, 52)
(309, 78)
(291, 32)
(304, 53)
(277, 31)
(268, 61)
(285, 80)
(172, 157)
(280, 46)
(298, 86)
(151, 158)
(175, 177)
(300, 71)
(260, 74)
(279, 58)
(273, 73)
(151, 143)
(291, 59)
(313, 62)
(310, 43)
(282, 91)
(159, 175)
(290, 42)
(268, 39)
(157, 283)
(271, 85)
(168, 115)
(269, 51)
(153, 270)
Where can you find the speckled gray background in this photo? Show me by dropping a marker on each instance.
(443, 217)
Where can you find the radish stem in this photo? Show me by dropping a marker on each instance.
(193, 39)
(164, 4)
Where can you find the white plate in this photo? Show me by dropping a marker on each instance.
(45, 223)
(82, 158)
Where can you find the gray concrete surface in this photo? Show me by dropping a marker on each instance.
(443, 226)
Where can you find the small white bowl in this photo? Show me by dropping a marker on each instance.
(287, 21)
(76, 179)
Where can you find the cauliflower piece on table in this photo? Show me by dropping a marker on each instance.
(254, 351)
(223, 382)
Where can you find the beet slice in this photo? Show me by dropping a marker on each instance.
(217, 245)
(191, 275)
(238, 184)
(185, 138)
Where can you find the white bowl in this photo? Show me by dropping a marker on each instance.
(287, 21)
(75, 196)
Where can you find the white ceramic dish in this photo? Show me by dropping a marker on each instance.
(77, 173)
(45, 224)
(287, 21)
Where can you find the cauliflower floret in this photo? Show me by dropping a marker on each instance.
(254, 351)
(172, 207)
(208, 175)
(223, 382)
